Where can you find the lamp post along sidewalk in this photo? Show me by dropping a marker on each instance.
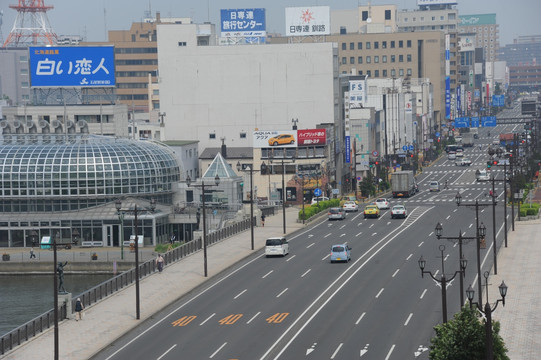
(251, 171)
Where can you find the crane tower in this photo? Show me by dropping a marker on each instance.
(31, 26)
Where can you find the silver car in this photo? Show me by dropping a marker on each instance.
(337, 214)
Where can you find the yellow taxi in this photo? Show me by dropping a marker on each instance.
(346, 198)
(371, 211)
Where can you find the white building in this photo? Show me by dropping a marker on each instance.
(215, 92)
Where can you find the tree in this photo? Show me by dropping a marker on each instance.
(367, 185)
(463, 338)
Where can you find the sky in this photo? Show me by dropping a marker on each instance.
(92, 19)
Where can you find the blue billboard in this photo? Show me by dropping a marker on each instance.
(462, 122)
(242, 23)
(72, 66)
(447, 98)
(488, 121)
(348, 149)
(498, 100)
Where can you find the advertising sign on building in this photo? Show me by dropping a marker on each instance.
(242, 23)
(348, 149)
(310, 137)
(72, 66)
(357, 94)
(466, 43)
(447, 97)
(308, 21)
(275, 138)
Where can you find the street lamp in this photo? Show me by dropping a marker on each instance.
(481, 232)
(203, 185)
(249, 169)
(135, 211)
(118, 204)
(283, 193)
(488, 312)
(460, 238)
(499, 152)
(443, 280)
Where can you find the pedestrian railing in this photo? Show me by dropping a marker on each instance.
(108, 287)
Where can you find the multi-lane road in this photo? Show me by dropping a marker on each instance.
(301, 306)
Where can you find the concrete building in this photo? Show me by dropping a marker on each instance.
(487, 31)
(365, 19)
(524, 51)
(14, 76)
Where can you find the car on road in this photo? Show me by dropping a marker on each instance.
(336, 213)
(382, 203)
(345, 198)
(276, 246)
(340, 252)
(319, 199)
(399, 211)
(371, 211)
(451, 155)
(482, 175)
(283, 139)
(459, 153)
(350, 206)
(434, 185)
(502, 162)
(463, 162)
(495, 142)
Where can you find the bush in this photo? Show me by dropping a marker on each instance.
(163, 248)
(532, 211)
(311, 210)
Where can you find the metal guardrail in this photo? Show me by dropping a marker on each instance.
(109, 287)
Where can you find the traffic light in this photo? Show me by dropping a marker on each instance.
(495, 162)
(377, 163)
(411, 155)
(489, 164)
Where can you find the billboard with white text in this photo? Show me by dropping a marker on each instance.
(289, 138)
(72, 66)
(242, 23)
(308, 21)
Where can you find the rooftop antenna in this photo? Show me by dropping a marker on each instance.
(31, 25)
(1, 36)
(105, 22)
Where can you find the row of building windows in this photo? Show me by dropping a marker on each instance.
(137, 62)
(131, 85)
(433, 28)
(135, 73)
(384, 73)
(376, 58)
(132, 97)
(368, 44)
(146, 50)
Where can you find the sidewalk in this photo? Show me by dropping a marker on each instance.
(109, 319)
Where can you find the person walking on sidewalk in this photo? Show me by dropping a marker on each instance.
(32, 255)
(79, 307)
(159, 262)
(263, 220)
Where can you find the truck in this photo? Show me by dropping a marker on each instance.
(403, 183)
(467, 139)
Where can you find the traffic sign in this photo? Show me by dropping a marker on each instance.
(375, 153)
(437, 134)
(405, 147)
(317, 192)
(410, 147)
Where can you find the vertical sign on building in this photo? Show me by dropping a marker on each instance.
(458, 101)
(346, 128)
(447, 98)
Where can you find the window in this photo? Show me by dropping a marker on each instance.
(400, 58)
(393, 72)
(409, 72)
(352, 46)
(360, 60)
(409, 43)
(376, 44)
(384, 44)
(401, 72)
(368, 59)
(384, 59)
(23, 58)
(365, 15)
(400, 43)
(384, 73)
(392, 44)
(243, 135)
(344, 61)
(393, 58)
(368, 73)
(352, 60)
(387, 14)
(343, 46)
(360, 72)
(433, 18)
(376, 59)
(212, 136)
(182, 43)
(408, 57)
(376, 73)
(359, 46)
(368, 44)
(451, 16)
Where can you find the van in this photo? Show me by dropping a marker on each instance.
(434, 186)
(276, 246)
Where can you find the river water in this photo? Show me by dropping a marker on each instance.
(24, 297)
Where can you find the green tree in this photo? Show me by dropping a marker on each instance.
(367, 185)
(463, 338)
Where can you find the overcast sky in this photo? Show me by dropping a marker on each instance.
(92, 18)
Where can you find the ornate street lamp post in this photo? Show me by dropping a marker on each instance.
(251, 171)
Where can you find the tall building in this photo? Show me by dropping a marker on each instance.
(525, 50)
(487, 31)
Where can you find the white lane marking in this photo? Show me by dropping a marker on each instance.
(396, 272)
(337, 350)
(455, 210)
(253, 317)
(359, 234)
(359, 224)
(421, 244)
(326, 257)
(341, 227)
(342, 235)
(408, 320)
(267, 274)
(220, 348)
(469, 227)
(280, 294)
(388, 222)
(165, 353)
(310, 235)
(307, 271)
(329, 234)
(291, 258)
(446, 257)
(309, 246)
(448, 216)
(390, 352)
(432, 232)
(409, 257)
(210, 317)
(374, 234)
(242, 292)
(366, 257)
(371, 226)
(360, 318)
(379, 293)
(423, 294)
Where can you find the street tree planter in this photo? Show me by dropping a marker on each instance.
(5, 257)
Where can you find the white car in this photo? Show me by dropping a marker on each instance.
(350, 206)
(382, 204)
(463, 162)
(459, 153)
(318, 199)
(399, 211)
(451, 155)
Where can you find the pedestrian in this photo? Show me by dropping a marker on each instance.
(263, 220)
(445, 187)
(159, 262)
(32, 255)
(173, 238)
(79, 307)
